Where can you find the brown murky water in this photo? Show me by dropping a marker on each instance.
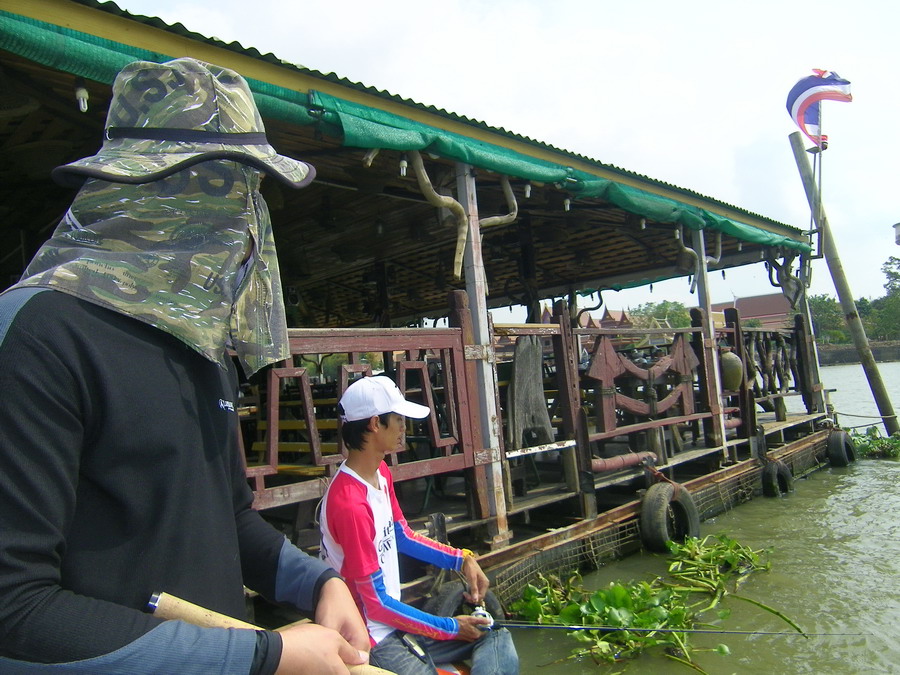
(834, 545)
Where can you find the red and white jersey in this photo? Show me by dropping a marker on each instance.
(362, 531)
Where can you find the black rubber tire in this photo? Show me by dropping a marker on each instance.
(777, 479)
(668, 513)
(841, 448)
(450, 602)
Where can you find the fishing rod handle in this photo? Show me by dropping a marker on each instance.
(173, 608)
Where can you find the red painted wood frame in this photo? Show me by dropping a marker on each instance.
(451, 451)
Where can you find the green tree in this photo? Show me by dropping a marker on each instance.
(883, 322)
(828, 319)
(891, 269)
(882, 318)
(676, 314)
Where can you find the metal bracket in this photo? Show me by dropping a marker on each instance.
(487, 456)
(479, 353)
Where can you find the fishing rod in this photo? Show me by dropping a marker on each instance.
(483, 613)
(611, 629)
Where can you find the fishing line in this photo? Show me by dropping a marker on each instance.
(611, 629)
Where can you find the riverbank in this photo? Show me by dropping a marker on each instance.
(832, 355)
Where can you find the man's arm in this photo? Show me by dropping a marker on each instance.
(438, 554)
(380, 606)
(284, 574)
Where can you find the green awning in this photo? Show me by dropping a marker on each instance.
(365, 127)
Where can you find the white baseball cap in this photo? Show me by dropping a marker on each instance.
(370, 396)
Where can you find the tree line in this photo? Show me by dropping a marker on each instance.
(880, 316)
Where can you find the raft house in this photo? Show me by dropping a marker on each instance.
(551, 445)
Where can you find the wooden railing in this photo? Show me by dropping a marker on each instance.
(299, 434)
(778, 363)
(637, 390)
(601, 388)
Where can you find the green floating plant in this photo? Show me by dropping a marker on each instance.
(872, 444)
(639, 615)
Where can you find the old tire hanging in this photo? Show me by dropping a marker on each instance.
(668, 513)
(841, 449)
(449, 602)
(777, 479)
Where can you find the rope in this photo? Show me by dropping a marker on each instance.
(658, 475)
(868, 417)
(859, 426)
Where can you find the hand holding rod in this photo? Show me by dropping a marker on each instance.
(171, 607)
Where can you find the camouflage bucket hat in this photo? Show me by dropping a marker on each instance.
(165, 117)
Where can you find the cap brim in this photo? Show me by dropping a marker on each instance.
(410, 409)
(118, 167)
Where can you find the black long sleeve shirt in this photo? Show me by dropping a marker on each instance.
(119, 477)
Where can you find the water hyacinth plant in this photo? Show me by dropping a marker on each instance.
(872, 444)
(665, 610)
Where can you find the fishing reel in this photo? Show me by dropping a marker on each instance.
(482, 613)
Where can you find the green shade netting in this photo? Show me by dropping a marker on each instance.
(100, 60)
(366, 127)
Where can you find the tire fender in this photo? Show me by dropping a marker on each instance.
(668, 513)
(841, 448)
(777, 479)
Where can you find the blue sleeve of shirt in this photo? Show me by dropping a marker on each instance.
(425, 549)
(171, 647)
(300, 577)
(379, 606)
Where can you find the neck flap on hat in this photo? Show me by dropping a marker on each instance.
(192, 254)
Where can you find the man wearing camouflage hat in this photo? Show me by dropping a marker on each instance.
(119, 470)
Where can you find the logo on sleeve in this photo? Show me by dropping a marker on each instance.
(226, 405)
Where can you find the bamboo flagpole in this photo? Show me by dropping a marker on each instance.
(845, 296)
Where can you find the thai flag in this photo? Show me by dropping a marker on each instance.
(804, 97)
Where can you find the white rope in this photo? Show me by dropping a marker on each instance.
(868, 417)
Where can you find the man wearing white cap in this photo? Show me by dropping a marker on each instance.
(363, 529)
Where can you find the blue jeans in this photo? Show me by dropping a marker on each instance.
(494, 654)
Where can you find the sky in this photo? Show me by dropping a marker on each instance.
(690, 93)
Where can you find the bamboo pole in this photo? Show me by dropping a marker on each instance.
(845, 296)
(173, 608)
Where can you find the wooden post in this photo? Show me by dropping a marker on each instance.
(814, 397)
(476, 287)
(718, 420)
(845, 296)
(577, 460)
(745, 399)
(707, 383)
(461, 317)
(810, 385)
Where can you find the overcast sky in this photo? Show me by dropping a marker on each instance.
(691, 93)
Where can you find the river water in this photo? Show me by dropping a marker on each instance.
(835, 568)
